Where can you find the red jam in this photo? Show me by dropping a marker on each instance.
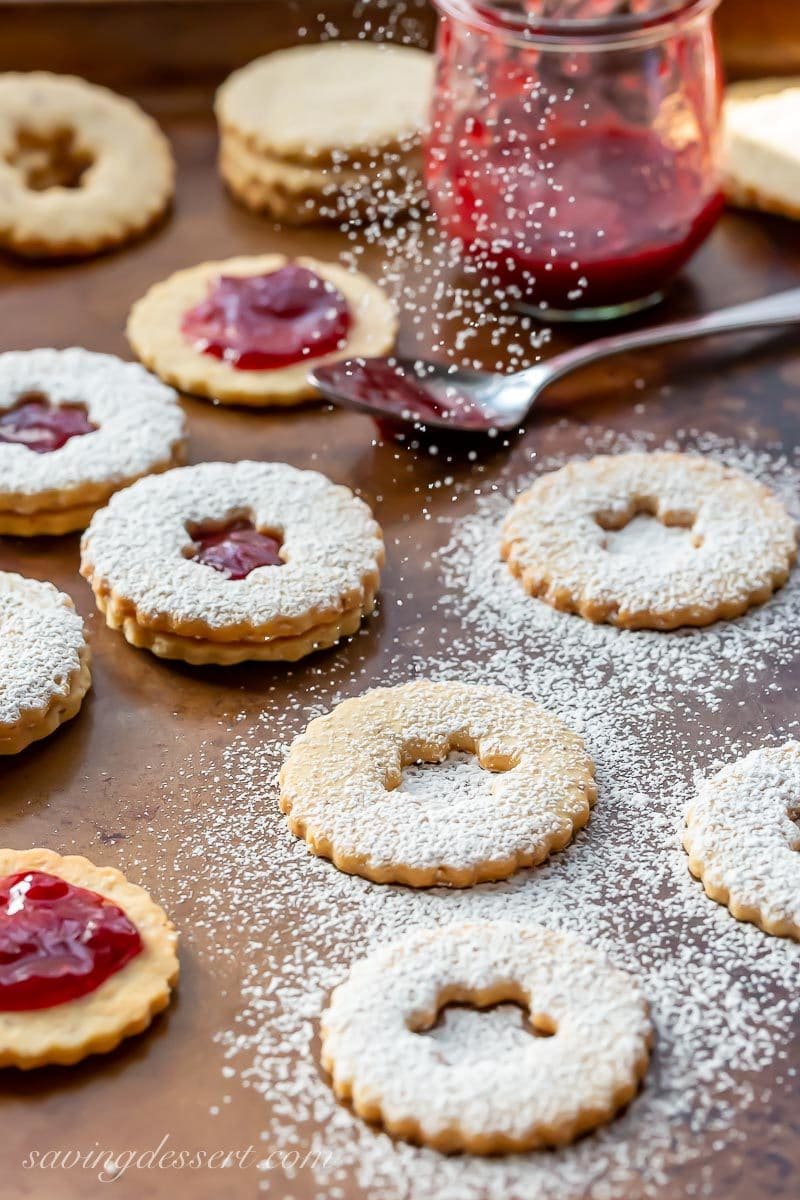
(43, 427)
(591, 219)
(237, 549)
(263, 322)
(378, 384)
(57, 941)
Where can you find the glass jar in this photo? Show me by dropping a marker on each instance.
(577, 159)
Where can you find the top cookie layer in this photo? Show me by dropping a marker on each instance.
(743, 841)
(81, 168)
(42, 649)
(140, 427)
(312, 104)
(649, 540)
(135, 551)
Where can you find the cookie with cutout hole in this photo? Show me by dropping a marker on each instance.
(81, 168)
(649, 541)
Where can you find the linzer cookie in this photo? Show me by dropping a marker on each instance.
(649, 541)
(74, 428)
(742, 838)
(81, 169)
(327, 132)
(221, 563)
(44, 661)
(248, 330)
(345, 786)
(587, 1063)
(86, 958)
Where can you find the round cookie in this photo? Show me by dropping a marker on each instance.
(546, 1091)
(76, 426)
(44, 661)
(136, 963)
(342, 785)
(649, 541)
(742, 838)
(154, 331)
(225, 562)
(81, 168)
(330, 102)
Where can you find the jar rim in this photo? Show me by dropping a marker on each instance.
(493, 16)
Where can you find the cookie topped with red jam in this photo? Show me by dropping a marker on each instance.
(86, 958)
(249, 330)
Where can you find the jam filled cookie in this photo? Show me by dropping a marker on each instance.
(86, 958)
(535, 1091)
(743, 840)
(44, 661)
(224, 562)
(248, 330)
(649, 541)
(74, 427)
(344, 790)
(81, 169)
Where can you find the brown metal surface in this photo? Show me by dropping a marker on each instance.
(95, 787)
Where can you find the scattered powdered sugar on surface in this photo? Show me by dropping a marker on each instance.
(654, 709)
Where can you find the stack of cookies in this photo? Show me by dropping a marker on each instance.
(330, 132)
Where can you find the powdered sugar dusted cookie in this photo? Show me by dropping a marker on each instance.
(335, 101)
(343, 786)
(225, 562)
(81, 169)
(86, 958)
(542, 1091)
(743, 840)
(44, 661)
(74, 427)
(248, 330)
(649, 541)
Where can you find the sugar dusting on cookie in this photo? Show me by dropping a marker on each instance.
(623, 885)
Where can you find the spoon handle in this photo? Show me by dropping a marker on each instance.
(781, 309)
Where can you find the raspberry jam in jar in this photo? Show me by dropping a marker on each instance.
(58, 941)
(574, 145)
(264, 322)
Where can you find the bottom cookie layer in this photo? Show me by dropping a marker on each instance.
(48, 521)
(203, 651)
(62, 709)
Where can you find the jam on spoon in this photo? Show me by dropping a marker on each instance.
(264, 322)
(380, 385)
(57, 941)
(236, 549)
(41, 426)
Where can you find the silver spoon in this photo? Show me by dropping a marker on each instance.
(435, 394)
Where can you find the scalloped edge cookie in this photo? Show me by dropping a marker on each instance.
(124, 1004)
